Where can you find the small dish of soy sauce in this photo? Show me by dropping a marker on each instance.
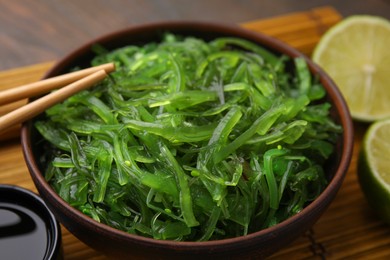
(28, 230)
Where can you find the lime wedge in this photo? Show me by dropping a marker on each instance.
(355, 53)
(374, 168)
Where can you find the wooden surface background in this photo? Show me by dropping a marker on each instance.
(35, 31)
(348, 229)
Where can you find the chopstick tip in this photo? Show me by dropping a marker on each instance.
(110, 67)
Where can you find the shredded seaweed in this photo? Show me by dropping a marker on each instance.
(191, 140)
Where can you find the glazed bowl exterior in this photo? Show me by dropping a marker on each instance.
(26, 207)
(255, 245)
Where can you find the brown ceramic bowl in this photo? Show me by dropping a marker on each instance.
(256, 245)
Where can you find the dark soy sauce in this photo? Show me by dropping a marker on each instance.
(23, 233)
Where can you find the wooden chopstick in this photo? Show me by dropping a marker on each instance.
(36, 107)
(44, 86)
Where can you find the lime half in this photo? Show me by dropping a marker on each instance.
(374, 168)
(356, 54)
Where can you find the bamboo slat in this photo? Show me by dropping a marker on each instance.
(348, 229)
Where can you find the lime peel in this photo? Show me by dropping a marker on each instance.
(373, 168)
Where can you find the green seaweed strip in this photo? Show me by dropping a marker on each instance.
(190, 140)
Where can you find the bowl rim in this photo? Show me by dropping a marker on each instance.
(272, 43)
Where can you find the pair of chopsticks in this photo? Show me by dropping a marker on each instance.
(67, 85)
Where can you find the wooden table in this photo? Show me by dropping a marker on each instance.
(348, 229)
(36, 31)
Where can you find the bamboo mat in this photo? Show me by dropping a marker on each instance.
(347, 230)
